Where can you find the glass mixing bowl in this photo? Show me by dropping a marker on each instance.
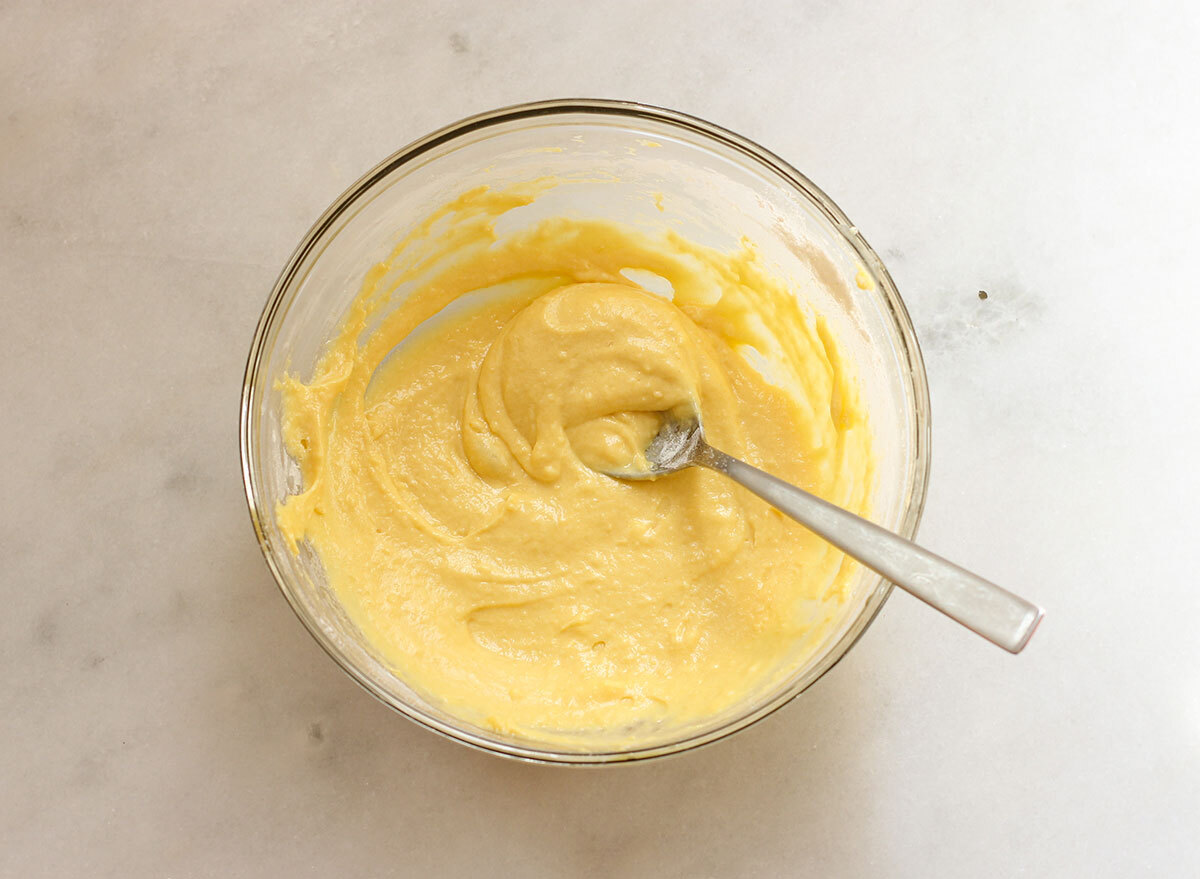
(644, 166)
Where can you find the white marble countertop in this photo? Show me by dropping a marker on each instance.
(166, 715)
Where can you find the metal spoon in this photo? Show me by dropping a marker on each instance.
(983, 607)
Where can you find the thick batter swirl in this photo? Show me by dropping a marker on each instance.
(450, 489)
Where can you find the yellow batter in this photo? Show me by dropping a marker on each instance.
(450, 500)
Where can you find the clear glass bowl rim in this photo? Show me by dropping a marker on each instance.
(910, 351)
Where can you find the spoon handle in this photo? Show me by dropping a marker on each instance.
(1005, 619)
